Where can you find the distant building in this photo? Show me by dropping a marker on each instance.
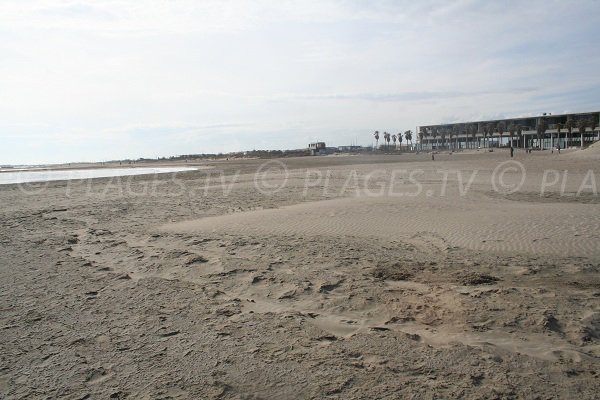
(346, 149)
(543, 131)
(317, 148)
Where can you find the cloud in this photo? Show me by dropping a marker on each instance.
(409, 96)
(76, 11)
(174, 76)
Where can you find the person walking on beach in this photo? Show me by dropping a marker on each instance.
(432, 156)
(512, 151)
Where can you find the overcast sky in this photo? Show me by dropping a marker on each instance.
(109, 79)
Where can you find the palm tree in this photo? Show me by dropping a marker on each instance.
(421, 135)
(581, 125)
(434, 133)
(485, 130)
(376, 134)
(482, 131)
(511, 132)
(593, 124)
(400, 140)
(443, 134)
(541, 130)
(559, 127)
(394, 140)
(387, 137)
(408, 137)
(491, 129)
(519, 130)
(473, 132)
(570, 124)
(501, 127)
(456, 129)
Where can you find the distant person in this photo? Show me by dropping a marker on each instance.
(558, 147)
(432, 156)
(512, 151)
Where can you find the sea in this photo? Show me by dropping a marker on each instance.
(31, 175)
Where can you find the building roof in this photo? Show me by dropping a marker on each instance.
(552, 117)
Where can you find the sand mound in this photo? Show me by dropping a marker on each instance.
(438, 224)
(590, 152)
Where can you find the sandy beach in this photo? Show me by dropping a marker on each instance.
(392, 276)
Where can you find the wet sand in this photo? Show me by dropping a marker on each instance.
(313, 277)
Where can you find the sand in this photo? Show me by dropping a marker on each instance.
(314, 277)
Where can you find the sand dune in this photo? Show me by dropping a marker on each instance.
(592, 152)
(475, 223)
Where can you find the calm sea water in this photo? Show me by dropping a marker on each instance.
(26, 176)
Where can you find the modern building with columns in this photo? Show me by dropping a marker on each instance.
(539, 132)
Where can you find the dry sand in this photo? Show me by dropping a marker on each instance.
(351, 281)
